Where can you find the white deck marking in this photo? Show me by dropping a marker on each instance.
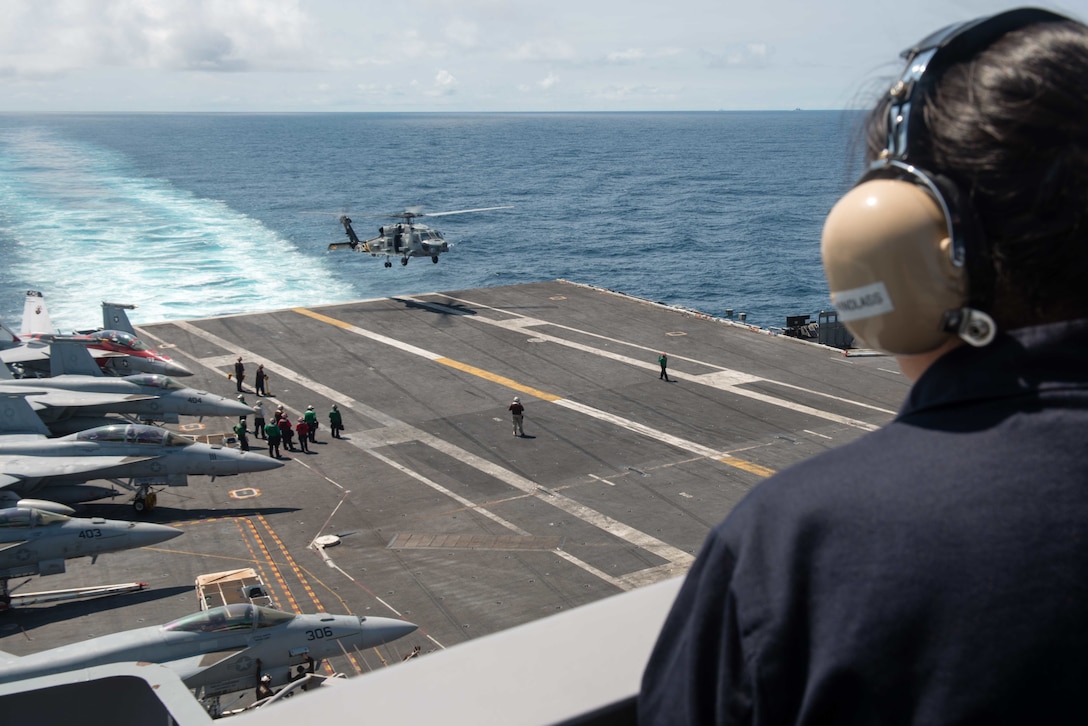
(402, 431)
(723, 379)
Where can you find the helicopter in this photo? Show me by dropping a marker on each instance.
(404, 239)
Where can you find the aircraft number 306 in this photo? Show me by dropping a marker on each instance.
(90, 533)
(319, 633)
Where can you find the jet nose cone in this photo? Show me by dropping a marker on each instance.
(143, 534)
(249, 461)
(227, 407)
(385, 630)
(173, 368)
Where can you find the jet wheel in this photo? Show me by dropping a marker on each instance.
(434, 259)
(388, 263)
(145, 502)
(403, 260)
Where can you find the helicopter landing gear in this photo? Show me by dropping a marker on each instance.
(403, 260)
(434, 259)
(145, 499)
(388, 263)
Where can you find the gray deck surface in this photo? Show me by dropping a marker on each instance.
(445, 518)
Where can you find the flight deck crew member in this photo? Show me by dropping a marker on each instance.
(258, 419)
(931, 571)
(239, 373)
(241, 431)
(336, 422)
(517, 412)
(258, 381)
(264, 687)
(286, 432)
(272, 434)
(663, 361)
(303, 430)
(311, 422)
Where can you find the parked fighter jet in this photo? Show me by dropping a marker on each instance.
(118, 352)
(77, 394)
(147, 456)
(216, 651)
(37, 542)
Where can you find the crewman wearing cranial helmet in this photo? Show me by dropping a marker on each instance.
(517, 411)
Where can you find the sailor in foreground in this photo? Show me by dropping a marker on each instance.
(933, 571)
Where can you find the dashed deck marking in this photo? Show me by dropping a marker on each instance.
(677, 560)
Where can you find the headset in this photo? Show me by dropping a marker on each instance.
(906, 260)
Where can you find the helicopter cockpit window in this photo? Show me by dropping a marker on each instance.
(238, 616)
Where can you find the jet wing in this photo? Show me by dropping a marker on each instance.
(16, 468)
(219, 672)
(24, 354)
(75, 399)
(31, 352)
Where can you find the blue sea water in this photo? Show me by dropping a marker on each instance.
(203, 214)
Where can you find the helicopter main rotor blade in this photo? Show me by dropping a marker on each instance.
(463, 211)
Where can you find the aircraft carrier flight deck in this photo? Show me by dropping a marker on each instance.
(432, 510)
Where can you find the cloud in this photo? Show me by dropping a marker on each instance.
(462, 34)
(549, 81)
(204, 35)
(630, 93)
(751, 55)
(444, 84)
(543, 50)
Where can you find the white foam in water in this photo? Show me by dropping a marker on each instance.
(75, 221)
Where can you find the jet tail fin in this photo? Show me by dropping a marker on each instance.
(114, 317)
(36, 320)
(17, 417)
(8, 338)
(69, 356)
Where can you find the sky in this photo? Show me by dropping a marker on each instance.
(461, 55)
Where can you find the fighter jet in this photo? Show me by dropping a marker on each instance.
(147, 456)
(37, 542)
(216, 651)
(118, 352)
(77, 394)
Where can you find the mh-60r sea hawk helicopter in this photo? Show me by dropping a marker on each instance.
(403, 239)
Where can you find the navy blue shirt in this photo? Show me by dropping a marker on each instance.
(933, 571)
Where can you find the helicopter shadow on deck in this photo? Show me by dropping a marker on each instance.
(37, 616)
(439, 308)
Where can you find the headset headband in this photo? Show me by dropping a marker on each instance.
(929, 57)
(926, 62)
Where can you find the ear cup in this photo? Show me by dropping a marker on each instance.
(888, 261)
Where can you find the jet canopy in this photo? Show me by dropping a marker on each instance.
(133, 434)
(155, 380)
(22, 518)
(238, 616)
(121, 339)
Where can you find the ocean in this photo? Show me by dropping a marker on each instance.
(192, 215)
